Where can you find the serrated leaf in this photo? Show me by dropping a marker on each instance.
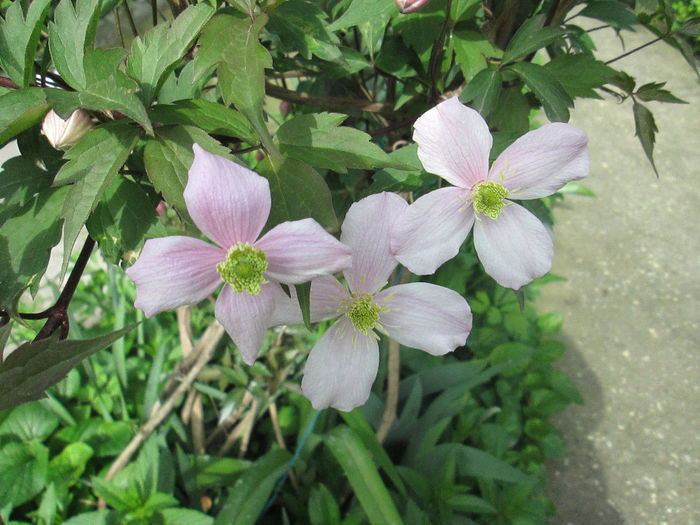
(471, 49)
(530, 37)
(159, 50)
(690, 27)
(19, 36)
(34, 367)
(20, 180)
(555, 100)
(645, 128)
(357, 464)
(30, 422)
(612, 12)
(298, 191)
(252, 490)
(21, 109)
(654, 91)
(70, 35)
(580, 74)
(111, 143)
(483, 91)
(362, 11)
(26, 240)
(168, 158)
(24, 469)
(209, 116)
(319, 140)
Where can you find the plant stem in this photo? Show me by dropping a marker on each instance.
(436, 54)
(623, 55)
(130, 18)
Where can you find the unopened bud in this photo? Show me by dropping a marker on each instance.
(259, 155)
(63, 134)
(409, 6)
(285, 108)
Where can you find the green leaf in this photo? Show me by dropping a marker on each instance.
(645, 128)
(580, 73)
(392, 179)
(26, 240)
(548, 90)
(70, 36)
(471, 49)
(298, 191)
(29, 422)
(21, 109)
(251, 491)
(483, 91)
(168, 158)
(362, 11)
(19, 36)
(550, 323)
(323, 508)
(472, 504)
(122, 219)
(99, 517)
(350, 452)
(185, 516)
(304, 299)
(512, 113)
(612, 12)
(66, 468)
(33, 367)
(4, 336)
(111, 143)
(24, 470)
(159, 50)
(209, 116)
(20, 180)
(318, 140)
(654, 91)
(474, 462)
(530, 37)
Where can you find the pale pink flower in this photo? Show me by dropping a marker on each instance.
(513, 245)
(343, 364)
(64, 134)
(230, 204)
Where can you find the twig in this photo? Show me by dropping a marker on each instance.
(623, 55)
(184, 324)
(436, 54)
(130, 18)
(231, 419)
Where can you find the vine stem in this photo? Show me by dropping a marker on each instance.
(436, 53)
(623, 55)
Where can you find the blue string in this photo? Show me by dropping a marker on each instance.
(297, 452)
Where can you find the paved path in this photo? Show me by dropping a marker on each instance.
(630, 308)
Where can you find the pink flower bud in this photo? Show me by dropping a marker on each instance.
(162, 209)
(285, 108)
(259, 155)
(409, 6)
(63, 134)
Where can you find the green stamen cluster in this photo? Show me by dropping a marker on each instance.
(363, 313)
(243, 268)
(488, 198)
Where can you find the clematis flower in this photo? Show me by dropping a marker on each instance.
(513, 245)
(64, 134)
(230, 204)
(343, 364)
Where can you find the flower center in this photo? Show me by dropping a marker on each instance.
(488, 198)
(243, 268)
(363, 313)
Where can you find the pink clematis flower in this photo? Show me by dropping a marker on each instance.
(343, 364)
(513, 245)
(230, 204)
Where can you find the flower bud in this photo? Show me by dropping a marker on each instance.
(409, 6)
(259, 156)
(63, 134)
(285, 108)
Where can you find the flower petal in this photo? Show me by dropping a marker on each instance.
(425, 316)
(542, 161)
(515, 248)
(454, 142)
(298, 251)
(341, 368)
(367, 230)
(228, 202)
(431, 230)
(325, 297)
(246, 317)
(172, 271)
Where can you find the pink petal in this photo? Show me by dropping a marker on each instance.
(454, 142)
(432, 229)
(425, 316)
(246, 317)
(542, 161)
(298, 251)
(228, 202)
(173, 271)
(326, 295)
(515, 248)
(367, 230)
(341, 368)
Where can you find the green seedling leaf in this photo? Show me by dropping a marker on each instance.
(21, 109)
(547, 89)
(530, 37)
(483, 91)
(155, 54)
(319, 140)
(645, 128)
(34, 367)
(19, 36)
(111, 143)
(24, 471)
(355, 460)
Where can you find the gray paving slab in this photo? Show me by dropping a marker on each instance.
(630, 308)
